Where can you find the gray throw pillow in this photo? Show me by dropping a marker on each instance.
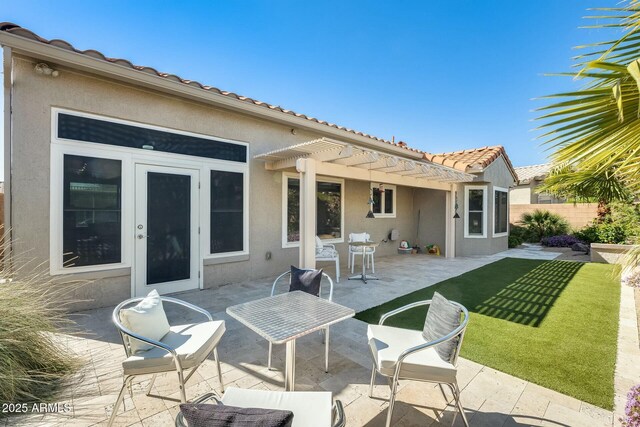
(442, 318)
(305, 280)
(209, 415)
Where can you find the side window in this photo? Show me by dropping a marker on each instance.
(92, 217)
(227, 212)
(475, 211)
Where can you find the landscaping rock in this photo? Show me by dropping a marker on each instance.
(580, 247)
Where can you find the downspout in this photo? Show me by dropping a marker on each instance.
(7, 117)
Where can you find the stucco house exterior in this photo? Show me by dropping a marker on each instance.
(137, 179)
(529, 178)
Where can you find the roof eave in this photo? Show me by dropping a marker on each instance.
(46, 52)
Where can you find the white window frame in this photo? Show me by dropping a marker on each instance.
(285, 187)
(206, 226)
(503, 190)
(484, 189)
(382, 200)
(130, 157)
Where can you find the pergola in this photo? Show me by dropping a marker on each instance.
(329, 157)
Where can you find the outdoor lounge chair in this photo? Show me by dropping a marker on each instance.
(328, 252)
(183, 347)
(310, 408)
(279, 282)
(405, 354)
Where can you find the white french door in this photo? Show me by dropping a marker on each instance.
(167, 222)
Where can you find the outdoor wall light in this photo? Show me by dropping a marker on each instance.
(456, 216)
(45, 70)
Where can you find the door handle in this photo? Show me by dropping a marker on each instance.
(141, 236)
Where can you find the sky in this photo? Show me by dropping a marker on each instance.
(439, 75)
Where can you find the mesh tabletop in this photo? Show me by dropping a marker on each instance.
(284, 317)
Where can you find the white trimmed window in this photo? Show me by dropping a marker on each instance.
(329, 210)
(500, 212)
(93, 183)
(384, 202)
(475, 211)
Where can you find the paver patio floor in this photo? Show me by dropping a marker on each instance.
(490, 398)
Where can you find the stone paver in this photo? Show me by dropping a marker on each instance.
(490, 397)
(627, 372)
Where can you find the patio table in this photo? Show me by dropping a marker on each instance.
(283, 318)
(364, 245)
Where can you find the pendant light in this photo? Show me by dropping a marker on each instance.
(456, 216)
(370, 202)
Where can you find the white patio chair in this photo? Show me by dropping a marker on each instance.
(328, 252)
(184, 347)
(279, 282)
(356, 250)
(310, 408)
(405, 354)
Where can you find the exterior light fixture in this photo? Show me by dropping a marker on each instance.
(45, 70)
(370, 202)
(456, 216)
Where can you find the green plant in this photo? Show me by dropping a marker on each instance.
(514, 241)
(610, 232)
(541, 224)
(588, 234)
(32, 364)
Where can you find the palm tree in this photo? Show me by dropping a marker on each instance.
(604, 186)
(596, 129)
(541, 224)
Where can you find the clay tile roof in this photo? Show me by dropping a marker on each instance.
(473, 160)
(527, 173)
(16, 30)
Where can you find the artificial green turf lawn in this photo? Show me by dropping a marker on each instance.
(554, 323)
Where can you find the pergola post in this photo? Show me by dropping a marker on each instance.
(307, 169)
(450, 224)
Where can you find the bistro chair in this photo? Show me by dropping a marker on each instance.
(406, 354)
(328, 252)
(184, 347)
(282, 282)
(309, 408)
(356, 250)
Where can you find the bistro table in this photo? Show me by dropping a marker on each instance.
(285, 317)
(364, 245)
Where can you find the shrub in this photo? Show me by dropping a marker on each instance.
(517, 235)
(588, 234)
(32, 364)
(563, 241)
(541, 224)
(632, 410)
(514, 241)
(611, 233)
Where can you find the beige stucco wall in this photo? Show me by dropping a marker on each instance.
(495, 175)
(432, 208)
(520, 195)
(35, 95)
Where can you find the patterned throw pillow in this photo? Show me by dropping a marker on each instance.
(442, 318)
(210, 415)
(305, 280)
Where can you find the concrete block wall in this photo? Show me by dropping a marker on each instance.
(578, 215)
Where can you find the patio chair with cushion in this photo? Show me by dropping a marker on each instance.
(328, 252)
(309, 281)
(429, 355)
(152, 346)
(263, 407)
(356, 250)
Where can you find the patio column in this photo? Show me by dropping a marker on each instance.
(450, 224)
(307, 169)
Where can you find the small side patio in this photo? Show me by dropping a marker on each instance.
(489, 397)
